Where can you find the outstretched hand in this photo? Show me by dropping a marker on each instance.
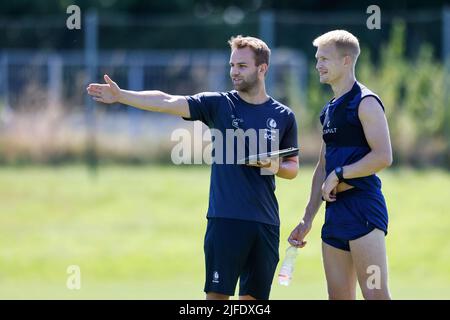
(106, 93)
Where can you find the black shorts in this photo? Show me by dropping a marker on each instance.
(244, 250)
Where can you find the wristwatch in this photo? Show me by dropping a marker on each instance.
(339, 173)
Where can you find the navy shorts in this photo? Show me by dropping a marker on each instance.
(244, 250)
(354, 214)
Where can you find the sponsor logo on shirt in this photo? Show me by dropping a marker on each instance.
(330, 131)
(236, 121)
(328, 121)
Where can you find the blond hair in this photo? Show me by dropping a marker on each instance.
(259, 48)
(345, 42)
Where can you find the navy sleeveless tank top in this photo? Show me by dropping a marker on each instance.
(344, 136)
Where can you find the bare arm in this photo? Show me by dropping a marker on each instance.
(376, 131)
(299, 233)
(147, 100)
(315, 197)
(288, 168)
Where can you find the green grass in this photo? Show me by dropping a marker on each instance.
(137, 233)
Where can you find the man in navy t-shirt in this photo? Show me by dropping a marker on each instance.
(242, 236)
(356, 145)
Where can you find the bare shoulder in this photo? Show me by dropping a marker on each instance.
(370, 107)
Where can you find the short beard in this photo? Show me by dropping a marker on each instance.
(249, 85)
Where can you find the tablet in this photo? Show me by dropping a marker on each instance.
(267, 155)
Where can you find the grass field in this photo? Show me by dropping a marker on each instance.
(137, 233)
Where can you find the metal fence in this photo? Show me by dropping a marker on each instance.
(38, 79)
(63, 74)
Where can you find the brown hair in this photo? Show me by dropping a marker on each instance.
(345, 42)
(259, 48)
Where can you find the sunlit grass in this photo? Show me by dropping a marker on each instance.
(137, 233)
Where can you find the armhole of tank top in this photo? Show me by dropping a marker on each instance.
(354, 116)
(376, 98)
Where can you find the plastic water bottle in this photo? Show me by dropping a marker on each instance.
(287, 267)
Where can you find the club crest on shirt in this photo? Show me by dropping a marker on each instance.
(215, 277)
(271, 125)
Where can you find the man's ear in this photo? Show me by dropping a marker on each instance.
(263, 68)
(348, 60)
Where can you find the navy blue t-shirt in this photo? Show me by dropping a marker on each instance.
(344, 136)
(239, 191)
